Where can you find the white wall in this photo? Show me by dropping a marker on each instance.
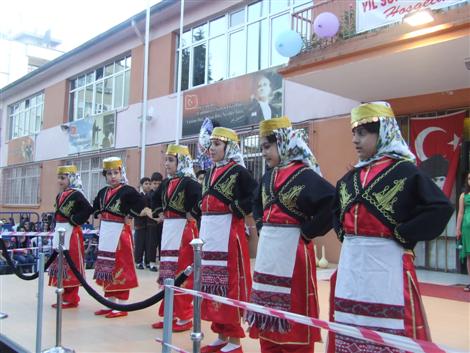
(304, 103)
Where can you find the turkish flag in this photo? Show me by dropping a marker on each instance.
(436, 142)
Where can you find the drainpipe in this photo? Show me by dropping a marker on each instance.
(180, 65)
(144, 98)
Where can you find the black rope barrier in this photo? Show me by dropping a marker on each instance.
(16, 270)
(121, 307)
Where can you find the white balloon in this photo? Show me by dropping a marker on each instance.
(289, 43)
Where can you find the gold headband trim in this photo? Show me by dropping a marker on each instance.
(267, 127)
(369, 113)
(177, 149)
(224, 134)
(67, 169)
(112, 164)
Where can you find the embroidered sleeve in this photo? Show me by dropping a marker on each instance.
(316, 201)
(244, 190)
(192, 197)
(97, 204)
(258, 206)
(133, 203)
(156, 203)
(430, 214)
(82, 210)
(337, 211)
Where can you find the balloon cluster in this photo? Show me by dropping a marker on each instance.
(289, 43)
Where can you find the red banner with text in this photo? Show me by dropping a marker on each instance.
(372, 14)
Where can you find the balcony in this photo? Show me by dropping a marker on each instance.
(386, 62)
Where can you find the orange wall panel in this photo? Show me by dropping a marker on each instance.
(154, 160)
(161, 66)
(137, 75)
(55, 105)
(133, 167)
(330, 140)
(49, 188)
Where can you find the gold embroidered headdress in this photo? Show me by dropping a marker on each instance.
(291, 143)
(369, 113)
(224, 134)
(177, 149)
(67, 169)
(267, 127)
(112, 163)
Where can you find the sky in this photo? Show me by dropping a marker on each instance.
(70, 21)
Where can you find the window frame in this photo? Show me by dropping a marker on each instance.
(228, 31)
(79, 84)
(18, 111)
(22, 185)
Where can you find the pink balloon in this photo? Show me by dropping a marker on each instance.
(326, 25)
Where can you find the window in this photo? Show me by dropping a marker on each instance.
(21, 185)
(25, 117)
(91, 169)
(102, 89)
(237, 43)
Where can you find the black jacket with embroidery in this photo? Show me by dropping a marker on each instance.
(304, 196)
(235, 188)
(184, 199)
(75, 208)
(402, 197)
(126, 201)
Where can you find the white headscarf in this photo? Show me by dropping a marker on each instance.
(232, 153)
(292, 146)
(184, 166)
(390, 142)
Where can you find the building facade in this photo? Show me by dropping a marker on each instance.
(87, 104)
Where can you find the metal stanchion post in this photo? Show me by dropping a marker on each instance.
(168, 314)
(40, 303)
(59, 290)
(197, 335)
(2, 315)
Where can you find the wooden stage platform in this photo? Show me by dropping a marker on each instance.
(86, 333)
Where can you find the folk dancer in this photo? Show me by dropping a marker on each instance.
(295, 203)
(176, 202)
(72, 209)
(227, 199)
(114, 267)
(383, 207)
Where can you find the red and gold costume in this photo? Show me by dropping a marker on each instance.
(227, 198)
(294, 203)
(383, 207)
(114, 267)
(176, 198)
(71, 210)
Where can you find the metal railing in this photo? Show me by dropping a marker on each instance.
(302, 22)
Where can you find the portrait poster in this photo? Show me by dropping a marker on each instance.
(239, 102)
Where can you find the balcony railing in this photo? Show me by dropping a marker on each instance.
(345, 10)
(302, 22)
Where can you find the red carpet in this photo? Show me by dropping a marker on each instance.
(445, 292)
